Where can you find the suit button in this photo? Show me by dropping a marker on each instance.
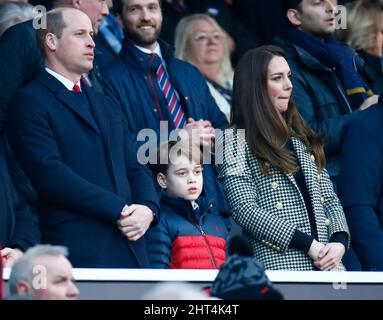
(278, 249)
(263, 241)
(322, 200)
(186, 98)
(312, 157)
(279, 206)
(327, 222)
(274, 247)
(274, 185)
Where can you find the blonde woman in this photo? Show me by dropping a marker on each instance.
(364, 33)
(202, 42)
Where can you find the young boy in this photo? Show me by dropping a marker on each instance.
(190, 234)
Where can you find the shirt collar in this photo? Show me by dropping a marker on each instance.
(66, 82)
(157, 50)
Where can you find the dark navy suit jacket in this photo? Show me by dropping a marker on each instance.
(360, 185)
(83, 164)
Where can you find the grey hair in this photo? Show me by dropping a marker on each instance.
(22, 269)
(183, 34)
(12, 13)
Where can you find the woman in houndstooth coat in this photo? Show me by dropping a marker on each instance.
(273, 172)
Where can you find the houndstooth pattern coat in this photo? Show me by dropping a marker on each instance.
(271, 208)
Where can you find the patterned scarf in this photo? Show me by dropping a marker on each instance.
(334, 56)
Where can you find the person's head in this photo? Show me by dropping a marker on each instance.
(95, 9)
(315, 17)
(179, 169)
(262, 85)
(12, 13)
(364, 27)
(44, 272)
(67, 42)
(262, 105)
(141, 20)
(202, 42)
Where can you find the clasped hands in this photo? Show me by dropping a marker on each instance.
(326, 257)
(200, 132)
(134, 221)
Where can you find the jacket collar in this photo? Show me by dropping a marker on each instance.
(184, 207)
(132, 55)
(66, 96)
(307, 59)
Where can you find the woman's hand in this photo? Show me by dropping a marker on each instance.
(330, 256)
(315, 249)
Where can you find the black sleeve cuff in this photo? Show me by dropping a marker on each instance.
(341, 237)
(301, 241)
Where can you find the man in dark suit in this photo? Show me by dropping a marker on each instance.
(95, 198)
(360, 185)
(20, 61)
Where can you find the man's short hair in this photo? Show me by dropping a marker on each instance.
(291, 4)
(118, 6)
(22, 269)
(55, 24)
(169, 150)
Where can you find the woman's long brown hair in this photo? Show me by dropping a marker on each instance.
(267, 130)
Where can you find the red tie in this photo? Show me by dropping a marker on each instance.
(76, 88)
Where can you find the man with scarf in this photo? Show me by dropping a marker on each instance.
(328, 88)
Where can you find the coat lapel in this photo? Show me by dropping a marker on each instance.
(66, 97)
(306, 164)
(101, 118)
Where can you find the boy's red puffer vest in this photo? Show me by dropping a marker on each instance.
(182, 241)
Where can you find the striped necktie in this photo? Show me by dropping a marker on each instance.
(174, 105)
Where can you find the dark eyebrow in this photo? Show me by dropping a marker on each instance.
(277, 74)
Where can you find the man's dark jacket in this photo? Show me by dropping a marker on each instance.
(84, 167)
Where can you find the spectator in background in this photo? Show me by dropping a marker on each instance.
(327, 86)
(12, 13)
(190, 233)
(108, 40)
(153, 88)
(360, 185)
(201, 41)
(364, 33)
(45, 273)
(273, 172)
(239, 38)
